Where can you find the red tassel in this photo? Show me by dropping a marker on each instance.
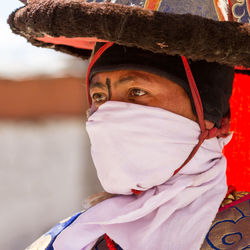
(136, 192)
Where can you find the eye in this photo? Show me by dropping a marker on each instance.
(99, 97)
(137, 92)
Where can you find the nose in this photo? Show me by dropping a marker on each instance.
(115, 94)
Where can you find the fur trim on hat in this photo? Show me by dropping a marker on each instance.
(193, 36)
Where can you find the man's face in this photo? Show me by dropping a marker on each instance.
(140, 87)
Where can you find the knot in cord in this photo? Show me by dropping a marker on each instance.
(223, 131)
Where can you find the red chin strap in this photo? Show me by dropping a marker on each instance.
(205, 133)
(199, 111)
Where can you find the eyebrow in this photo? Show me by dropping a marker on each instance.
(97, 85)
(132, 77)
(124, 80)
(120, 81)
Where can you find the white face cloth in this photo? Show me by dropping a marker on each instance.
(139, 147)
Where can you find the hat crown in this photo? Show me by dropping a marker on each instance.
(218, 10)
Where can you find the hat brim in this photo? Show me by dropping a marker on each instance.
(74, 26)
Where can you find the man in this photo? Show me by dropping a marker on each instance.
(158, 124)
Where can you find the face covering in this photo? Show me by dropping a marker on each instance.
(139, 147)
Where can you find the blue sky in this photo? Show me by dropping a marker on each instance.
(19, 58)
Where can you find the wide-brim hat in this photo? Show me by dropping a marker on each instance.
(215, 31)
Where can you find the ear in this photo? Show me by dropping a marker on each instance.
(208, 124)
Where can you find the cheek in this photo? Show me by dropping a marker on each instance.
(176, 103)
(164, 100)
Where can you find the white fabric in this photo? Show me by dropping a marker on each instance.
(139, 147)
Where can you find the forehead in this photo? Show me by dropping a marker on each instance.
(122, 76)
(141, 79)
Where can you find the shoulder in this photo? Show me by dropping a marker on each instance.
(46, 241)
(230, 229)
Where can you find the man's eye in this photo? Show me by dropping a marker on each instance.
(99, 97)
(137, 92)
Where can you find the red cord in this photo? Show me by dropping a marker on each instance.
(110, 243)
(199, 110)
(205, 133)
(195, 94)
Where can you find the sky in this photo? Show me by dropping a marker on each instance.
(19, 59)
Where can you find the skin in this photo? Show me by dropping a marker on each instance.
(143, 88)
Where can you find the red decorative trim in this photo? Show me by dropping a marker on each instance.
(241, 68)
(152, 4)
(234, 203)
(87, 43)
(110, 243)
